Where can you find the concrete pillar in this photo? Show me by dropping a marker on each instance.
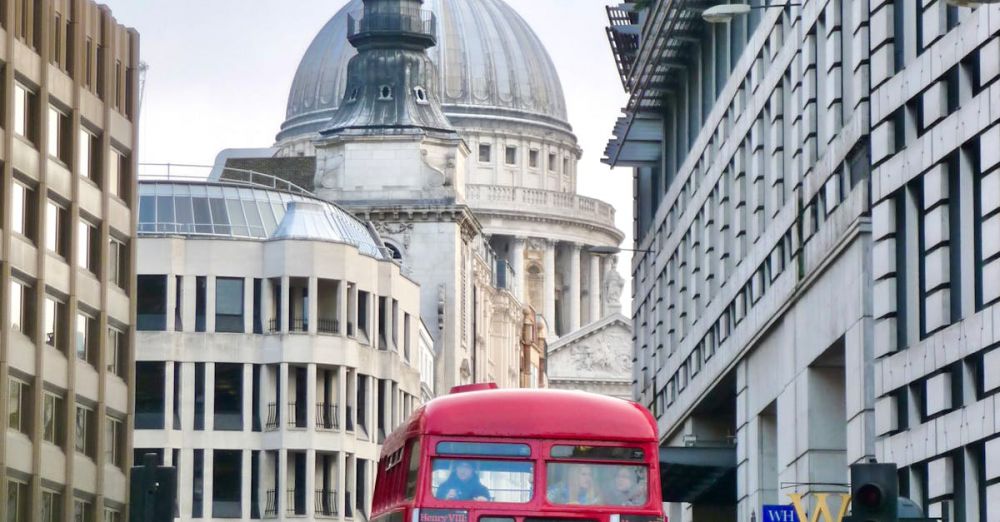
(210, 304)
(595, 288)
(285, 301)
(312, 306)
(281, 398)
(517, 264)
(310, 485)
(245, 492)
(549, 267)
(248, 386)
(168, 397)
(172, 303)
(310, 397)
(574, 288)
(248, 310)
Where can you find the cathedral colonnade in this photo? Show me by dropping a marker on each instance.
(566, 282)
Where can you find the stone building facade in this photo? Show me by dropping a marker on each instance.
(817, 189)
(67, 215)
(279, 345)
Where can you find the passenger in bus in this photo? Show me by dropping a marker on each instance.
(463, 484)
(576, 487)
(625, 491)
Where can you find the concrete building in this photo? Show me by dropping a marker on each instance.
(507, 169)
(279, 345)
(67, 195)
(818, 190)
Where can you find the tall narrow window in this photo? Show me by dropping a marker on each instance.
(198, 484)
(118, 268)
(55, 323)
(85, 437)
(52, 508)
(229, 305)
(533, 158)
(150, 402)
(113, 441)
(85, 338)
(19, 406)
(200, 297)
(152, 302)
(85, 148)
(116, 361)
(57, 228)
(199, 396)
(485, 152)
(22, 315)
(227, 470)
(510, 155)
(23, 101)
(88, 253)
(228, 397)
(552, 162)
(24, 203)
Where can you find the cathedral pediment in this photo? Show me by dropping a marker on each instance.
(601, 351)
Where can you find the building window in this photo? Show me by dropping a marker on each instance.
(55, 323)
(421, 95)
(117, 351)
(59, 137)
(88, 251)
(385, 93)
(113, 515)
(83, 511)
(24, 112)
(18, 501)
(118, 267)
(114, 437)
(119, 180)
(51, 506)
(227, 483)
(22, 307)
(198, 484)
(485, 152)
(53, 412)
(88, 148)
(86, 337)
(511, 155)
(23, 205)
(200, 300)
(150, 401)
(19, 407)
(565, 166)
(533, 158)
(57, 228)
(229, 305)
(85, 435)
(552, 162)
(228, 397)
(151, 302)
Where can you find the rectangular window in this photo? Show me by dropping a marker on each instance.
(22, 305)
(113, 515)
(552, 162)
(227, 483)
(88, 251)
(24, 203)
(57, 228)
(85, 436)
(199, 396)
(24, 101)
(565, 166)
(117, 352)
(119, 180)
(53, 411)
(177, 396)
(200, 298)
(87, 168)
(511, 156)
(499, 481)
(83, 511)
(51, 506)
(114, 437)
(18, 501)
(86, 337)
(118, 267)
(151, 302)
(149, 398)
(228, 397)
(485, 152)
(406, 337)
(19, 406)
(55, 323)
(198, 484)
(533, 158)
(229, 305)
(59, 135)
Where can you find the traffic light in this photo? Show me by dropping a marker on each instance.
(874, 493)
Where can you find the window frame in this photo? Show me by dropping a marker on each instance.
(221, 318)
(488, 149)
(58, 404)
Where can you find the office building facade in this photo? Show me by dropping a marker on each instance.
(67, 216)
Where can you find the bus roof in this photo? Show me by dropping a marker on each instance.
(524, 413)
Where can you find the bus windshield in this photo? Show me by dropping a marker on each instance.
(482, 480)
(596, 484)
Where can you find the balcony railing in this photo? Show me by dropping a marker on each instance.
(298, 325)
(272, 417)
(328, 326)
(326, 503)
(348, 506)
(296, 418)
(273, 325)
(327, 416)
(271, 504)
(295, 503)
(544, 202)
(414, 21)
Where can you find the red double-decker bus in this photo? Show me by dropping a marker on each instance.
(521, 456)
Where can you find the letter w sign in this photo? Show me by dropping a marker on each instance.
(797, 511)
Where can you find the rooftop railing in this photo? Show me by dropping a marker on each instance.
(191, 173)
(546, 202)
(415, 21)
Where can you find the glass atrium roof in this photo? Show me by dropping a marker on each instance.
(237, 212)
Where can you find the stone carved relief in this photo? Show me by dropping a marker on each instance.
(401, 232)
(600, 356)
(332, 170)
(443, 166)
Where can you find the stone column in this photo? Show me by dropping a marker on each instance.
(549, 262)
(595, 288)
(574, 288)
(517, 264)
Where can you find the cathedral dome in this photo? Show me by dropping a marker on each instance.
(492, 65)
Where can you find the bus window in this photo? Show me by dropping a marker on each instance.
(482, 480)
(489, 449)
(596, 484)
(598, 453)
(413, 470)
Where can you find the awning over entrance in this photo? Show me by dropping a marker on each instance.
(698, 475)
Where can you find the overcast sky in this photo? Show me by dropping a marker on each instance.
(220, 71)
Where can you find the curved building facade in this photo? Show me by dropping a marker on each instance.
(278, 345)
(500, 90)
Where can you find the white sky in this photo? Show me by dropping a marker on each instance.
(220, 71)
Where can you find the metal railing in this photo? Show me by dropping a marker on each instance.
(546, 202)
(415, 21)
(296, 504)
(295, 420)
(328, 326)
(298, 325)
(201, 173)
(271, 504)
(272, 417)
(327, 416)
(326, 503)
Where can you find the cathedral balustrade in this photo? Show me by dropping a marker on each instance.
(544, 202)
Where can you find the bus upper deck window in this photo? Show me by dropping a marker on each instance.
(597, 453)
(482, 480)
(596, 484)
(486, 449)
